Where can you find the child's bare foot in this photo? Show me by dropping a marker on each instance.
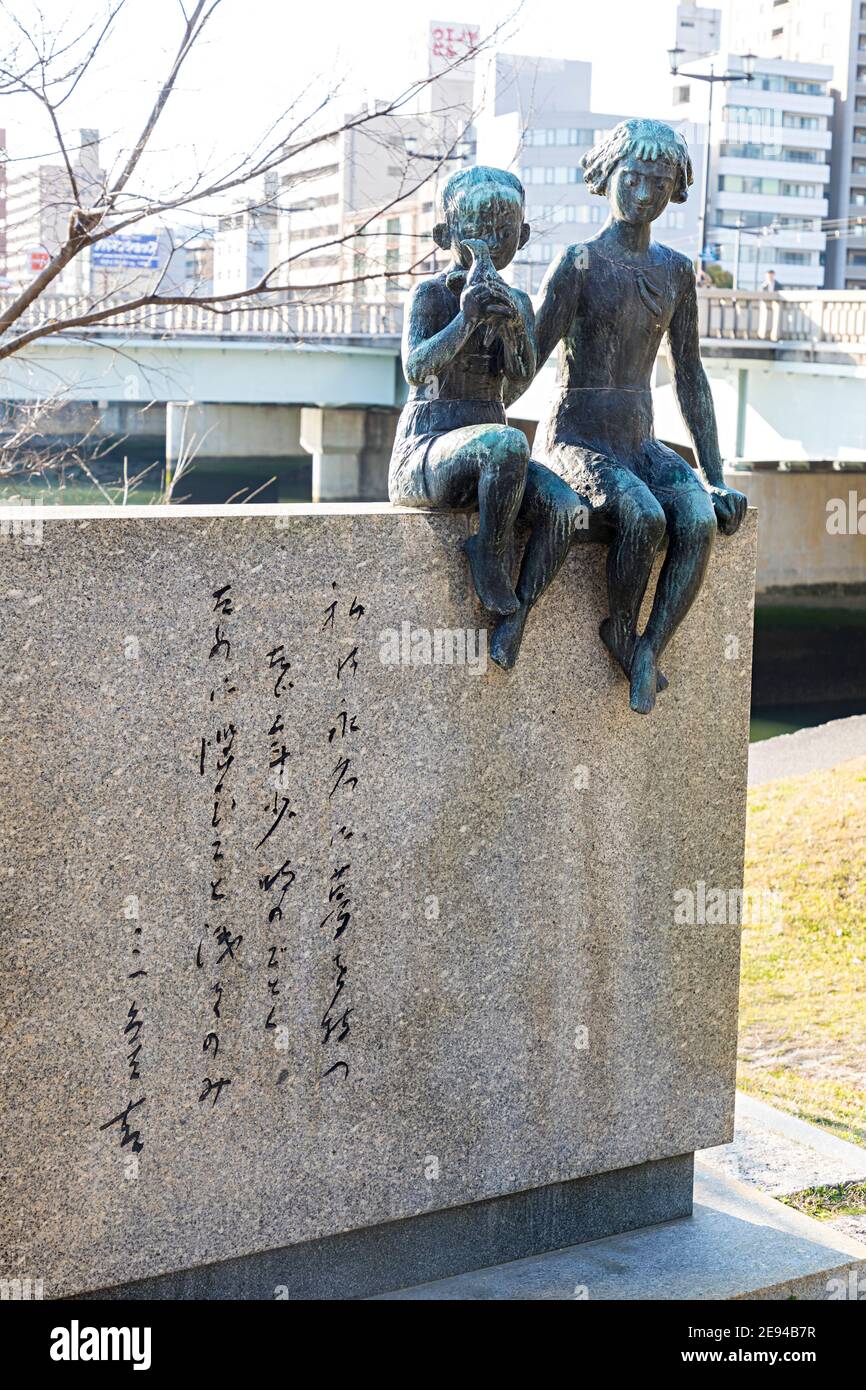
(491, 579)
(621, 658)
(643, 678)
(507, 636)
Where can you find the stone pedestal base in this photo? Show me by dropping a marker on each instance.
(317, 923)
(380, 1259)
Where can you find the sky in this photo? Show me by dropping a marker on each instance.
(259, 55)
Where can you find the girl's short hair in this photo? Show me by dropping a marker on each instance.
(459, 183)
(641, 139)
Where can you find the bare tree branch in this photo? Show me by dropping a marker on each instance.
(49, 73)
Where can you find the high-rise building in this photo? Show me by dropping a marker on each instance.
(769, 168)
(198, 254)
(831, 32)
(244, 248)
(39, 200)
(363, 201)
(536, 119)
(699, 31)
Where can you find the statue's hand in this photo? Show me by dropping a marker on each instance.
(487, 303)
(730, 508)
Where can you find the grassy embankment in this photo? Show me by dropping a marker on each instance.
(803, 989)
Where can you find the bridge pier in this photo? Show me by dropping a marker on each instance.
(231, 431)
(351, 450)
(335, 438)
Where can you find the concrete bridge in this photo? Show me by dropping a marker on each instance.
(787, 370)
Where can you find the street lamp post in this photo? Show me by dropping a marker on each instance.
(711, 78)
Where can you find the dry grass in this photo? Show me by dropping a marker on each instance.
(803, 988)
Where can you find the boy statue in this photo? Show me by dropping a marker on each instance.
(467, 336)
(609, 303)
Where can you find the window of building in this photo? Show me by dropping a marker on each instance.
(767, 187)
(745, 150)
(559, 135)
(800, 190)
(745, 117)
(552, 173)
(811, 89)
(794, 121)
(748, 117)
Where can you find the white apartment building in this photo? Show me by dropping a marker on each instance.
(699, 31)
(537, 120)
(831, 32)
(364, 201)
(39, 201)
(245, 247)
(770, 168)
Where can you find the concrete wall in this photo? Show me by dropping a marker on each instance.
(232, 431)
(799, 544)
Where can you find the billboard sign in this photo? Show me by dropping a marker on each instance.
(37, 259)
(448, 41)
(126, 251)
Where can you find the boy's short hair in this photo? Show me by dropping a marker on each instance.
(460, 182)
(641, 139)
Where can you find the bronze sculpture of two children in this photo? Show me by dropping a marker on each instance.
(472, 345)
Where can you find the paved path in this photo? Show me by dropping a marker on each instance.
(808, 750)
(779, 1155)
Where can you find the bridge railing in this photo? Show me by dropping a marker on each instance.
(366, 319)
(823, 318)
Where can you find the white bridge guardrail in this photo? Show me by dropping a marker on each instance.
(822, 318)
(366, 319)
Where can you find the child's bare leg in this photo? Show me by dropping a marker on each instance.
(691, 523)
(553, 510)
(638, 523)
(500, 492)
(488, 462)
